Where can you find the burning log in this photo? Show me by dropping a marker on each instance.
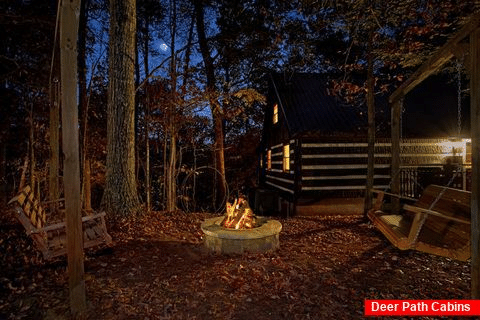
(239, 215)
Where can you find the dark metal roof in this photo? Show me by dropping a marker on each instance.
(308, 107)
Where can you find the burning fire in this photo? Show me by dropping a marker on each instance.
(239, 215)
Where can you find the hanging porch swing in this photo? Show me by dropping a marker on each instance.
(439, 222)
(51, 239)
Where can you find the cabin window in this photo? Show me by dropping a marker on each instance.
(269, 159)
(286, 158)
(275, 113)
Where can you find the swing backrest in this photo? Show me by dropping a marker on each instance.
(31, 207)
(452, 203)
(448, 201)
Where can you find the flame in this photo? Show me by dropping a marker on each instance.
(238, 215)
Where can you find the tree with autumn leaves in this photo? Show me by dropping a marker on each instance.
(120, 196)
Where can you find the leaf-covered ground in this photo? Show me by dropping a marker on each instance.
(158, 269)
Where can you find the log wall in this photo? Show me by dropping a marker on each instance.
(341, 167)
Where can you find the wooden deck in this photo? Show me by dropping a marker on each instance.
(330, 207)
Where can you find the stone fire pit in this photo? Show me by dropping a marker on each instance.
(264, 237)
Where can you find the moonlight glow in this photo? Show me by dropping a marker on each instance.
(163, 47)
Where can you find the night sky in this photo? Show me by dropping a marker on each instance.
(431, 109)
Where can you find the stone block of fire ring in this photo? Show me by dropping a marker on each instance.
(264, 237)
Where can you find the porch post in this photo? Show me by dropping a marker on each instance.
(395, 173)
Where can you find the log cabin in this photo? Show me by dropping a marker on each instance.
(314, 146)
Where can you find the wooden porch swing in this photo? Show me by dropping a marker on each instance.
(51, 240)
(437, 223)
(440, 221)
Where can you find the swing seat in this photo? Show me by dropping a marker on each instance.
(51, 240)
(437, 223)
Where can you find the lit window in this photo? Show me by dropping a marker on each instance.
(261, 161)
(286, 158)
(275, 113)
(269, 159)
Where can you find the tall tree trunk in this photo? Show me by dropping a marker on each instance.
(31, 145)
(70, 142)
(188, 52)
(82, 68)
(54, 91)
(172, 161)
(137, 109)
(148, 186)
(53, 192)
(3, 173)
(120, 196)
(217, 112)
(86, 187)
(83, 103)
(171, 177)
(137, 104)
(54, 126)
(371, 128)
(165, 168)
(146, 45)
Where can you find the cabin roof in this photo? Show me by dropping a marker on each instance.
(308, 107)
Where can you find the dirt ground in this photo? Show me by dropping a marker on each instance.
(158, 269)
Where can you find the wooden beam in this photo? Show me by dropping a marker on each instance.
(475, 135)
(437, 60)
(68, 57)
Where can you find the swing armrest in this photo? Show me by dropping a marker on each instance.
(433, 213)
(27, 224)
